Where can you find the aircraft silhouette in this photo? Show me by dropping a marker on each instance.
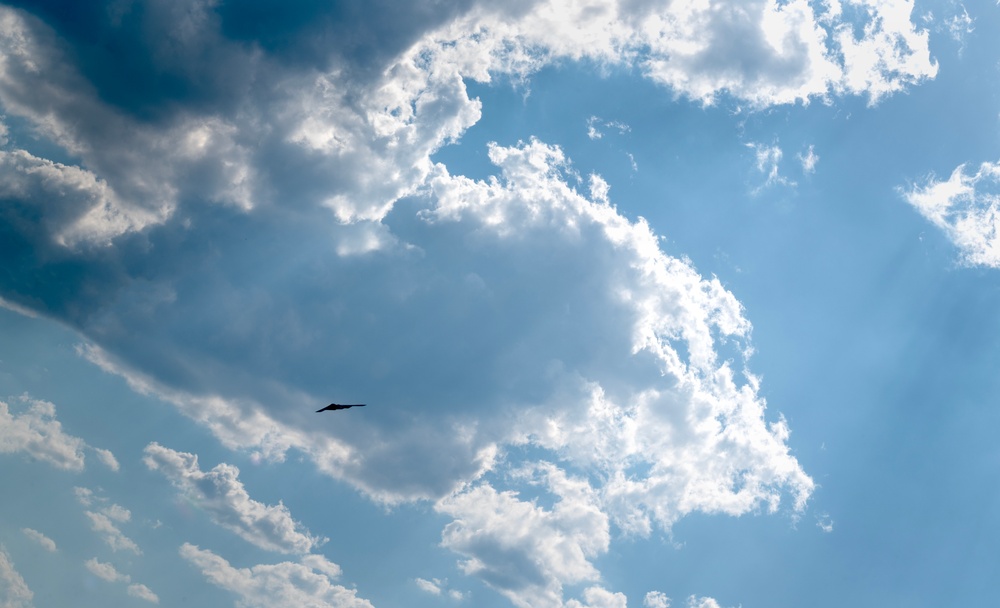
(337, 406)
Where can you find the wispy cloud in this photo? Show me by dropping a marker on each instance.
(114, 537)
(270, 585)
(967, 208)
(768, 161)
(105, 571)
(46, 543)
(221, 494)
(111, 574)
(809, 160)
(14, 591)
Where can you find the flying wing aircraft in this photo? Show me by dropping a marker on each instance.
(337, 406)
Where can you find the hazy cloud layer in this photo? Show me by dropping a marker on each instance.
(220, 493)
(282, 585)
(967, 208)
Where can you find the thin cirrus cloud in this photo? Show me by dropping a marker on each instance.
(155, 231)
(966, 207)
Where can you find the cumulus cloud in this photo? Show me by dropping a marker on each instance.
(37, 433)
(220, 493)
(598, 597)
(524, 551)
(46, 543)
(967, 208)
(283, 585)
(14, 591)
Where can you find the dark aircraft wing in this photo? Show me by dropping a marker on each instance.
(337, 406)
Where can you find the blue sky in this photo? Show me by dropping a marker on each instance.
(652, 304)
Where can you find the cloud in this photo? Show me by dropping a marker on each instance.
(102, 524)
(702, 602)
(107, 458)
(524, 551)
(598, 597)
(967, 208)
(143, 593)
(656, 599)
(283, 585)
(14, 592)
(105, 571)
(594, 124)
(37, 433)
(47, 543)
(824, 523)
(224, 497)
(768, 158)
(111, 574)
(809, 160)
(575, 336)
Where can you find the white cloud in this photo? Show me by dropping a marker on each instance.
(224, 497)
(117, 513)
(111, 574)
(656, 599)
(809, 160)
(594, 124)
(107, 458)
(14, 591)
(647, 409)
(959, 26)
(85, 496)
(768, 159)
(105, 571)
(824, 523)
(763, 52)
(524, 551)
(598, 597)
(47, 543)
(114, 537)
(702, 602)
(429, 586)
(283, 585)
(357, 146)
(143, 593)
(37, 433)
(967, 208)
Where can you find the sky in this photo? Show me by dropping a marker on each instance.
(651, 304)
